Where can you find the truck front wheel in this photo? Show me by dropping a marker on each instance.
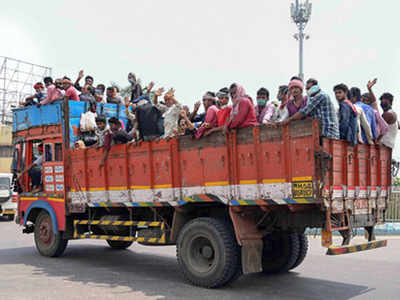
(10, 217)
(48, 242)
(208, 253)
(280, 252)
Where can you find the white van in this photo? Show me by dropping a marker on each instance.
(8, 202)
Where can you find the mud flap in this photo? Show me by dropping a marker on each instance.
(326, 238)
(249, 238)
(252, 256)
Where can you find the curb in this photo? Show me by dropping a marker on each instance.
(382, 229)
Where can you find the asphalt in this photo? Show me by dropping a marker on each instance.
(91, 270)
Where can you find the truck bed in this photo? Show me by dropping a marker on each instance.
(255, 166)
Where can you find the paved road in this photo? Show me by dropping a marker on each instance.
(91, 270)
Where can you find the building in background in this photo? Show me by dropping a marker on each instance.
(5, 148)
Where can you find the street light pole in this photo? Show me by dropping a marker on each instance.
(301, 13)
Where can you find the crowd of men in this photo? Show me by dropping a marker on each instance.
(358, 119)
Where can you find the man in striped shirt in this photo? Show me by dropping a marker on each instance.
(319, 107)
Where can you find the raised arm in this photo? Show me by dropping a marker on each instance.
(370, 84)
(195, 110)
(157, 94)
(189, 124)
(76, 84)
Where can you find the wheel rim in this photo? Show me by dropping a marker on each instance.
(201, 254)
(46, 231)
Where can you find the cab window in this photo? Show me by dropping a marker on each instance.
(48, 150)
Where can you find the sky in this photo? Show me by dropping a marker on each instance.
(197, 46)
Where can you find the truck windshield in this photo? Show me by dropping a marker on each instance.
(4, 183)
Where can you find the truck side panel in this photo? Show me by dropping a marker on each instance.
(357, 178)
(254, 164)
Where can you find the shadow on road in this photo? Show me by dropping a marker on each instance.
(159, 276)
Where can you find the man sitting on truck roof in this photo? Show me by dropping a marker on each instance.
(54, 91)
(70, 92)
(39, 95)
(87, 94)
(99, 93)
(88, 80)
(35, 171)
(319, 107)
(112, 96)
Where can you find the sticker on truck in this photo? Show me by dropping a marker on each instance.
(302, 190)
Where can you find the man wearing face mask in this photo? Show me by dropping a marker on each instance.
(389, 139)
(136, 88)
(264, 111)
(319, 107)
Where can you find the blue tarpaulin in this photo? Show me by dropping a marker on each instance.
(51, 114)
(32, 116)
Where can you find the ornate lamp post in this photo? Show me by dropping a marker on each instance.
(301, 13)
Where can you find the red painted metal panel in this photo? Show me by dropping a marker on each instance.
(302, 157)
(190, 166)
(350, 167)
(338, 148)
(272, 160)
(213, 165)
(246, 162)
(362, 159)
(374, 171)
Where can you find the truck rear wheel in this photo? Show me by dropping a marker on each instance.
(280, 252)
(303, 248)
(10, 217)
(208, 253)
(48, 242)
(119, 245)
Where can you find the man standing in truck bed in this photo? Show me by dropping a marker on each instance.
(319, 107)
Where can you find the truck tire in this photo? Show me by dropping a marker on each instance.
(280, 252)
(208, 253)
(119, 245)
(10, 217)
(48, 242)
(303, 243)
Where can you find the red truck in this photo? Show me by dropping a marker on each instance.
(232, 204)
